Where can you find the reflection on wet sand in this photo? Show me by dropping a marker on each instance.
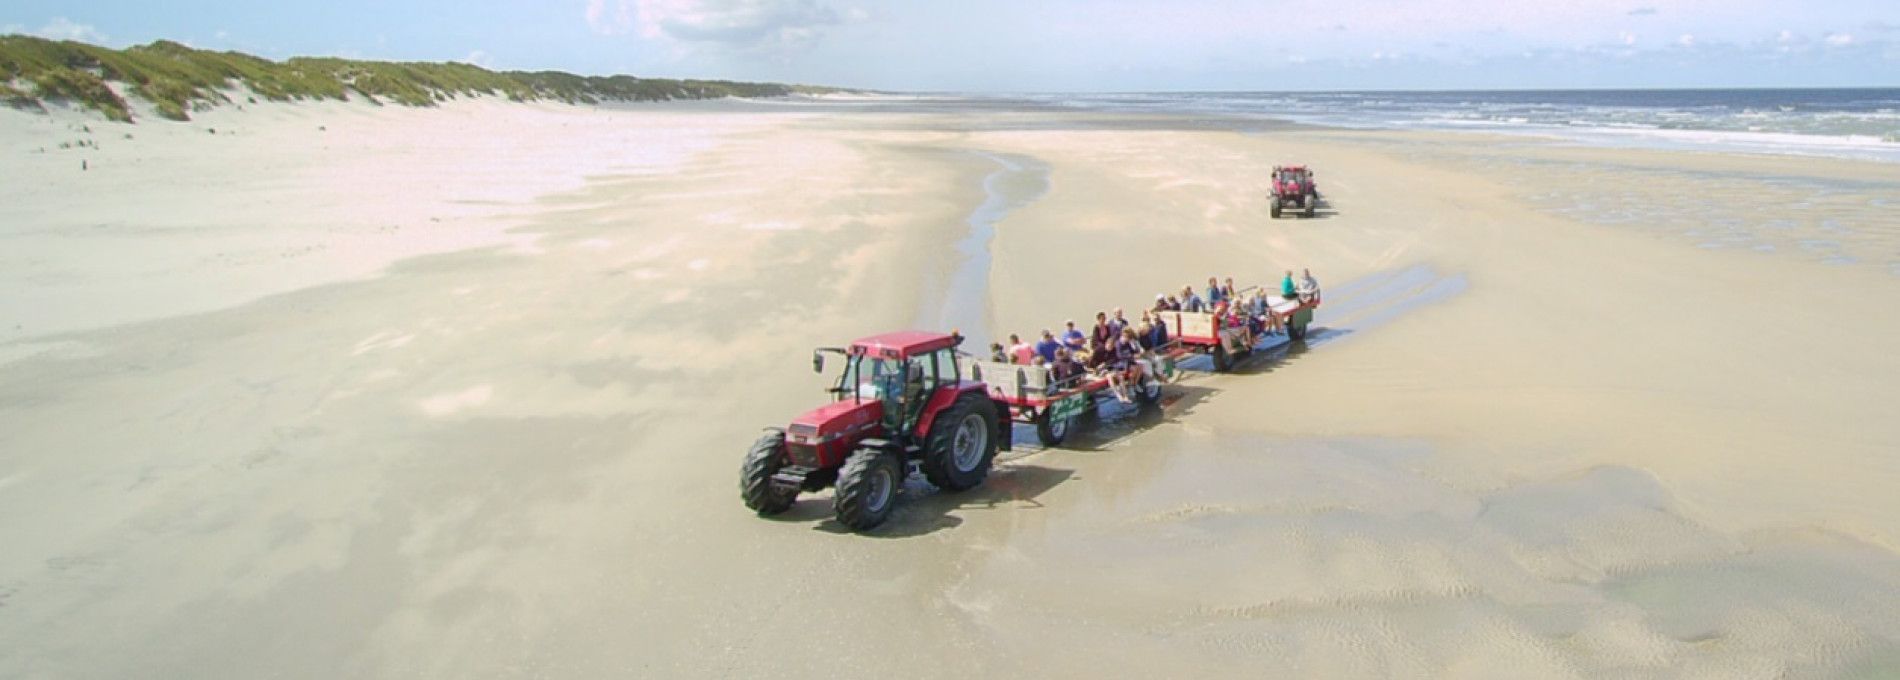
(1341, 558)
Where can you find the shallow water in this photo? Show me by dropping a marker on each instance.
(963, 302)
(1834, 220)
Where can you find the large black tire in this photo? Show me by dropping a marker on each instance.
(1276, 207)
(1312, 205)
(755, 476)
(1052, 432)
(1296, 332)
(867, 488)
(1222, 360)
(962, 443)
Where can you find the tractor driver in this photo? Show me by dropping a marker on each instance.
(912, 402)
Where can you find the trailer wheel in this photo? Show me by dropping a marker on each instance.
(1222, 360)
(1052, 432)
(1149, 393)
(755, 476)
(962, 443)
(867, 488)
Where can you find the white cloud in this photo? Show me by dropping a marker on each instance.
(609, 21)
(478, 58)
(1840, 39)
(1686, 40)
(742, 24)
(1627, 37)
(62, 28)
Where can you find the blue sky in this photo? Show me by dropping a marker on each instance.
(1050, 45)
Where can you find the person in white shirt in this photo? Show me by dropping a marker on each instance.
(1309, 286)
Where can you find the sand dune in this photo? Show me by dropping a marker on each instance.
(462, 393)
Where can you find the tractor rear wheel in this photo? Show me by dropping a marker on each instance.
(1051, 431)
(755, 476)
(867, 488)
(1276, 207)
(1312, 205)
(962, 443)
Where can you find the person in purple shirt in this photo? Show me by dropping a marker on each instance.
(1047, 347)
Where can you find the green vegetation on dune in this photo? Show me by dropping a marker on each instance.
(178, 79)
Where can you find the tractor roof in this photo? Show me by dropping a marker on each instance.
(1295, 168)
(903, 344)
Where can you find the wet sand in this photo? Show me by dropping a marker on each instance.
(1521, 443)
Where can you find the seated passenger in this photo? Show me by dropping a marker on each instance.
(1191, 302)
(1064, 373)
(1046, 348)
(1099, 341)
(1270, 321)
(1161, 303)
(1214, 293)
(1287, 289)
(1158, 336)
(1020, 352)
(1309, 286)
(997, 354)
(1074, 339)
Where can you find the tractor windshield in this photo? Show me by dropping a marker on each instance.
(870, 378)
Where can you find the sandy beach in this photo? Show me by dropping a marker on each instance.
(333, 390)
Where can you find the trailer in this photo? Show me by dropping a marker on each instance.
(1033, 397)
(1225, 341)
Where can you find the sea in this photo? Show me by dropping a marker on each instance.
(1861, 123)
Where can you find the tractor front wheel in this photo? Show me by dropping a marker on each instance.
(1312, 205)
(867, 488)
(962, 443)
(755, 476)
(1276, 207)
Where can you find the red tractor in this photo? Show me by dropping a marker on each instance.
(898, 401)
(1293, 187)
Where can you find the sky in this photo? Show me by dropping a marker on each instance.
(1055, 45)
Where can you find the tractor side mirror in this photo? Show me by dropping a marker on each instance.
(817, 362)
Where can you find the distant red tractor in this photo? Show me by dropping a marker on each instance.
(1293, 188)
(899, 400)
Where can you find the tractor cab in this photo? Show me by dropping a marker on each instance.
(896, 371)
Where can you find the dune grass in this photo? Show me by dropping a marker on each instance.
(178, 79)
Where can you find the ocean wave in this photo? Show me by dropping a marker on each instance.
(1843, 122)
